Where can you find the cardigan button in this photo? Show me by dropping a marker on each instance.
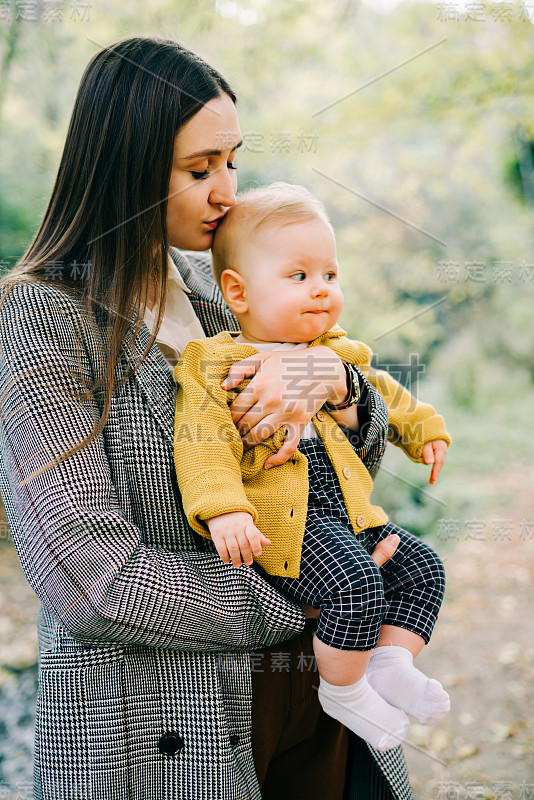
(234, 740)
(346, 472)
(361, 521)
(321, 416)
(170, 744)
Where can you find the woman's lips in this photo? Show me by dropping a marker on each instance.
(212, 225)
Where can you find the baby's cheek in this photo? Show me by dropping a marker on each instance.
(338, 302)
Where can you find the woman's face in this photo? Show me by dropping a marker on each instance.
(203, 179)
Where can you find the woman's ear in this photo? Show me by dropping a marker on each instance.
(234, 290)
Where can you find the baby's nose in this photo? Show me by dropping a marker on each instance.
(319, 289)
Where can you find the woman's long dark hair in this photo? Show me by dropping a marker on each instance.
(105, 226)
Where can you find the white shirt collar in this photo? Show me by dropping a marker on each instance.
(180, 324)
(173, 274)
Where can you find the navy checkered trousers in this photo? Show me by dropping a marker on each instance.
(338, 575)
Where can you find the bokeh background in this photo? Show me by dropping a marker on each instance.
(414, 123)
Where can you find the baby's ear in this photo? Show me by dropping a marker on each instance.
(233, 288)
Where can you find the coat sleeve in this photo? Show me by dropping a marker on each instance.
(78, 547)
(412, 423)
(207, 445)
(371, 438)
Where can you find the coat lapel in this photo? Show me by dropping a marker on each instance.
(204, 294)
(156, 383)
(153, 376)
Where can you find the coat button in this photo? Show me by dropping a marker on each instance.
(170, 744)
(361, 521)
(346, 472)
(234, 740)
(321, 416)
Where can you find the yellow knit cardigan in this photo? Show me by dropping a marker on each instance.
(216, 477)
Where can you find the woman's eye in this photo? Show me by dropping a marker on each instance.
(201, 176)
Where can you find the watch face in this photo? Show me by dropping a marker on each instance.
(354, 388)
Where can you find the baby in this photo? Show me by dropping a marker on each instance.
(274, 258)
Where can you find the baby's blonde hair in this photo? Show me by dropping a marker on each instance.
(275, 205)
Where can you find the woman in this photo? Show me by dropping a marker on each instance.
(145, 636)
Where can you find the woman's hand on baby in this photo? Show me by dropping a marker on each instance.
(434, 453)
(286, 390)
(236, 537)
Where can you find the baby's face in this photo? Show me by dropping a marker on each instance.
(292, 286)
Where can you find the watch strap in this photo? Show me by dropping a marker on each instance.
(353, 391)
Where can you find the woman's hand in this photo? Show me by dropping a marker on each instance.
(434, 453)
(287, 389)
(382, 552)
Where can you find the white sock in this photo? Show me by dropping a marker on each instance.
(392, 674)
(361, 709)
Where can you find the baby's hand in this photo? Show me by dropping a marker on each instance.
(434, 453)
(236, 537)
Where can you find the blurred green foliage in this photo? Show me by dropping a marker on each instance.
(406, 126)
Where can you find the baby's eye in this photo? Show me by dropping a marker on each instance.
(299, 276)
(200, 176)
(330, 276)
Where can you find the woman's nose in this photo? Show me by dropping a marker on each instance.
(224, 190)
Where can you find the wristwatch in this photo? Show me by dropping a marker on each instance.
(353, 392)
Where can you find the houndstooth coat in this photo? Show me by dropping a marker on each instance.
(144, 634)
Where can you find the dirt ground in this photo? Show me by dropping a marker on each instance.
(482, 651)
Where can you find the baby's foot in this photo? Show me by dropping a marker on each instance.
(392, 674)
(364, 712)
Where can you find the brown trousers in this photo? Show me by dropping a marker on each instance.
(299, 752)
